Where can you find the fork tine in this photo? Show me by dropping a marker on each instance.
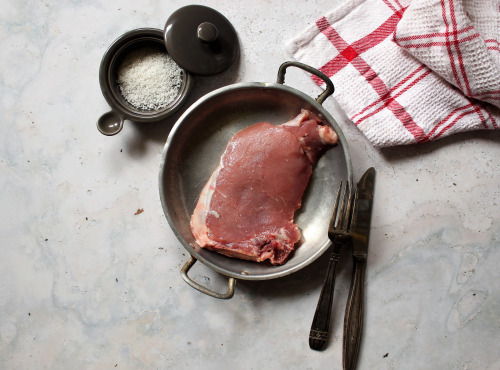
(349, 210)
(346, 215)
(341, 217)
(333, 221)
(352, 208)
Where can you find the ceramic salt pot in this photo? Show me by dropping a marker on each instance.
(140, 81)
(147, 74)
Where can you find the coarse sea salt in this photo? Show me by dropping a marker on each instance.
(149, 79)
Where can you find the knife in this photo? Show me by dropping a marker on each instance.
(353, 319)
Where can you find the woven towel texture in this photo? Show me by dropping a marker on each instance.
(409, 71)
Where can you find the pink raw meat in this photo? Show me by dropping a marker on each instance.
(246, 208)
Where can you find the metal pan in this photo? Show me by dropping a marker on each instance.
(193, 150)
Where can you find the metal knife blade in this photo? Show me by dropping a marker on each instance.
(353, 318)
(363, 209)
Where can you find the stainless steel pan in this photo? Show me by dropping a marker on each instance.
(193, 150)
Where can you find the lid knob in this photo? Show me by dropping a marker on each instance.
(207, 32)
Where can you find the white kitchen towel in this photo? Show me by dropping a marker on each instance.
(409, 71)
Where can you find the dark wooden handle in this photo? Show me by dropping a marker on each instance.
(318, 336)
(353, 320)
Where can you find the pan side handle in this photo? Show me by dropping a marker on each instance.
(184, 273)
(329, 88)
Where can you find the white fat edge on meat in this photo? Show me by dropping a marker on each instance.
(215, 213)
(202, 210)
(282, 235)
(297, 121)
(327, 135)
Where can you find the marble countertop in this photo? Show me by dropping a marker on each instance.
(87, 282)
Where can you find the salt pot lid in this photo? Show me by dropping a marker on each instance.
(201, 40)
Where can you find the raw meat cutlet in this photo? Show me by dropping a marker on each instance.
(247, 206)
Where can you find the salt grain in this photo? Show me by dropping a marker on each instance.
(149, 79)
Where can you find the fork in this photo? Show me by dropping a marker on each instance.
(339, 234)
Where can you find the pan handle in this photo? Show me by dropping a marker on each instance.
(329, 84)
(201, 288)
